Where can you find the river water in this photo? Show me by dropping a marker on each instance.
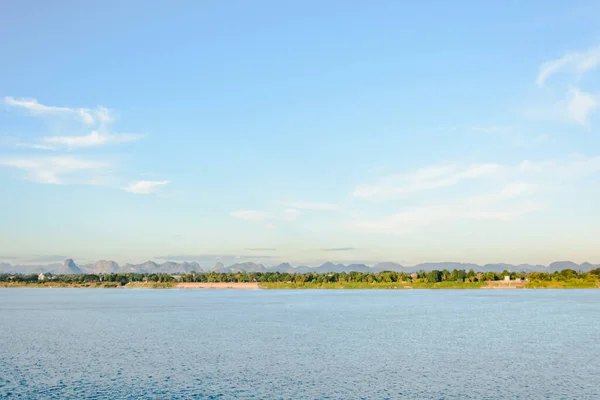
(286, 344)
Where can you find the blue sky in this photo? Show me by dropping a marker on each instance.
(300, 131)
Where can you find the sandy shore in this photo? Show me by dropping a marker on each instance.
(505, 285)
(217, 285)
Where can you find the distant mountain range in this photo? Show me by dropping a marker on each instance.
(105, 266)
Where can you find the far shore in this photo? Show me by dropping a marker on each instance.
(305, 286)
(457, 279)
(217, 285)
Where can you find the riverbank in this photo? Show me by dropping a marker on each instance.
(136, 285)
(373, 285)
(217, 285)
(573, 284)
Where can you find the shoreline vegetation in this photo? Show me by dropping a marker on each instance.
(455, 279)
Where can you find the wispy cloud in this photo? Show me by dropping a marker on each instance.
(577, 62)
(85, 115)
(518, 136)
(492, 129)
(291, 214)
(476, 208)
(58, 170)
(260, 249)
(95, 138)
(307, 205)
(98, 119)
(145, 187)
(520, 182)
(35, 146)
(251, 215)
(263, 217)
(428, 178)
(286, 215)
(580, 105)
(577, 105)
(560, 171)
(339, 249)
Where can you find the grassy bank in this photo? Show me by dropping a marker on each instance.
(93, 285)
(568, 284)
(372, 285)
(535, 284)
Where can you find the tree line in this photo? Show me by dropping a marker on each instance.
(307, 278)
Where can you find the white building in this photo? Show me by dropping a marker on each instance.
(41, 276)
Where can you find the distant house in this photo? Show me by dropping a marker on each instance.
(41, 276)
(176, 277)
(414, 276)
(507, 278)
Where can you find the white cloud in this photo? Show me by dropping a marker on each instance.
(428, 178)
(287, 215)
(251, 215)
(145, 187)
(550, 67)
(516, 189)
(519, 137)
(580, 106)
(414, 219)
(514, 198)
(95, 138)
(575, 62)
(434, 177)
(255, 216)
(58, 170)
(492, 129)
(86, 115)
(573, 167)
(291, 214)
(35, 146)
(99, 118)
(307, 205)
(477, 208)
(507, 192)
(577, 166)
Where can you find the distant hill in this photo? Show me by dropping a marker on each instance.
(287, 268)
(219, 267)
(170, 267)
(101, 267)
(440, 266)
(244, 267)
(561, 265)
(69, 268)
(586, 266)
(282, 268)
(6, 268)
(390, 266)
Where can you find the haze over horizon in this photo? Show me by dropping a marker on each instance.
(305, 132)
